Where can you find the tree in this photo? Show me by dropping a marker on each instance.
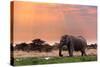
(46, 47)
(21, 46)
(92, 46)
(37, 44)
(38, 41)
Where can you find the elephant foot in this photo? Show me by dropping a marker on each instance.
(61, 55)
(70, 55)
(84, 55)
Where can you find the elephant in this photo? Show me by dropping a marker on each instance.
(73, 43)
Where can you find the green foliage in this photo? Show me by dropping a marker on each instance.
(52, 60)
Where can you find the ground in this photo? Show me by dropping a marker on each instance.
(54, 53)
(34, 58)
(52, 60)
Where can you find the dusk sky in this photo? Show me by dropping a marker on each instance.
(49, 21)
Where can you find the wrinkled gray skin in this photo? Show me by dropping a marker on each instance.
(73, 44)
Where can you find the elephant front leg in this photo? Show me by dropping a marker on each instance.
(60, 50)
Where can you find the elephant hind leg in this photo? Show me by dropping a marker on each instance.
(83, 53)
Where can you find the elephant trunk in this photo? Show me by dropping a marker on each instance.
(60, 50)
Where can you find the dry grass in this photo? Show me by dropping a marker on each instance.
(54, 53)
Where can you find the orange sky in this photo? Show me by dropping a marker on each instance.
(50, 21)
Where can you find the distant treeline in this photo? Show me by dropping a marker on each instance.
(41, 46)
(92, 46)
(36, 45)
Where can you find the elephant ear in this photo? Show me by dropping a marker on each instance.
(68, 39)
(63, 39)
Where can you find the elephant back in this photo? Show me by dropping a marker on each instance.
(82, 38)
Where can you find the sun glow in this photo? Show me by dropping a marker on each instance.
(50, 21)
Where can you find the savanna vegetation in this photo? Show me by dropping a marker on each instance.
(52, 60)
(40, 52)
